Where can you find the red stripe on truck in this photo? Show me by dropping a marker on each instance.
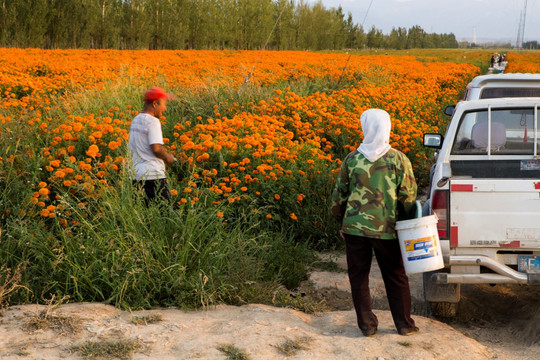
(511, 244)
(461, 187)
(453, 236)
(537, 185)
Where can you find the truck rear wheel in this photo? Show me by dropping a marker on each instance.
(442, 309)
(441, 299)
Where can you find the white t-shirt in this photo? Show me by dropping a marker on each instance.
(145, 130)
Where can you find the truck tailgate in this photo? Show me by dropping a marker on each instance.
(495, 213)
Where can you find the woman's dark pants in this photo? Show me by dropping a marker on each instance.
(359, 254)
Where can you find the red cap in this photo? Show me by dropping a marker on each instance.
(157, 93)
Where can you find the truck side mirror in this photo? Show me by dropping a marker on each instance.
(433, 140)
(450, 110)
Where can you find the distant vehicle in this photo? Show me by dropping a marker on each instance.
(493, 86)
(485, 190)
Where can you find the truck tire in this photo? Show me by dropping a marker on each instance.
(441, 299)
(442, 309)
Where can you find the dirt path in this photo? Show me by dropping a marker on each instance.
(503, 327)
(256, 330)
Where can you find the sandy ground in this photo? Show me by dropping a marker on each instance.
(493, 323)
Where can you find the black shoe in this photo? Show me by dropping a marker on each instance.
(409, 331)
(369, 333)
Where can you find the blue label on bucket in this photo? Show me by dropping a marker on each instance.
(426, 245)
(421, 257)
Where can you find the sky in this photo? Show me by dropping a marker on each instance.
(490, 20)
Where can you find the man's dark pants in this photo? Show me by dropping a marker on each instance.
(155, 190)
(387, 252)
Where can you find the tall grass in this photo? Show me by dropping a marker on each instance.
(118, 251)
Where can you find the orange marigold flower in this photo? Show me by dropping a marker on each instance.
(294, 217)
(59, 174)
(268, 216)
(277, 197)
(93, 150)
(219, 214)
(113, 145)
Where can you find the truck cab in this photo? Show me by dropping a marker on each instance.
(485, 191)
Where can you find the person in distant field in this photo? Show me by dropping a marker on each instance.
(148, 155)
(375, 188)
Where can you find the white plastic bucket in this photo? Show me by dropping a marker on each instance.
(420, 245)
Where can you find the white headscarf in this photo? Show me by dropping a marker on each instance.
(376, 127)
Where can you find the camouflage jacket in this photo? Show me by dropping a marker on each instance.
(370, 196)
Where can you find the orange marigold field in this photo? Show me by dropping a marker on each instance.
(523, 62)
(256, 131)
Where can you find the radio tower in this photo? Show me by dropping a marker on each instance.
(521, 27)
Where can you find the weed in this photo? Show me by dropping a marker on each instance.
(305, 304)
(147, 319)
(47, 319)
(121, 349)
(405, 343)
(330, 266)
(290, 347)
(232, 352)
(23, 351)
(9, 283)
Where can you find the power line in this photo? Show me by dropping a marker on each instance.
(367, 12)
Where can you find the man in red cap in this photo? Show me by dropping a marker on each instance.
(148, 154)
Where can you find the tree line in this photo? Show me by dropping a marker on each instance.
(197, 24)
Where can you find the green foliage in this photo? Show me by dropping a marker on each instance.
(119, 349)
(117, 251)
(196, 24)
(291, 347)
(232, 352)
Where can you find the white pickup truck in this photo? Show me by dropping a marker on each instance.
(485, 190)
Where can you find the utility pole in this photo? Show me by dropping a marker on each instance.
(521, 27)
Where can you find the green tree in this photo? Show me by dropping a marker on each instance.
(375, 38)
(135, 25)
(284, 32)
(416, 38)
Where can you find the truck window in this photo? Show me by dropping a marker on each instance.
(492, 93)
(512, 133)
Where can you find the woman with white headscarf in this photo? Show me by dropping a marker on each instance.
(375, 188)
